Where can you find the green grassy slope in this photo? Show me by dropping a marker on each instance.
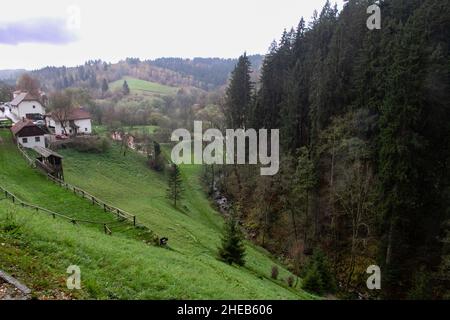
(143, 87)
(119, 266)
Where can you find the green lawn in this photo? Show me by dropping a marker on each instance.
(120, 266)
(142, 86)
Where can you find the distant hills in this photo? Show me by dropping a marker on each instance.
(203, 73)
(9, 75)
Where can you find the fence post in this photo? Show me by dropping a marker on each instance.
(104, 207)
(13, 199)
(104, 228)
(93, 201)
(134, 221)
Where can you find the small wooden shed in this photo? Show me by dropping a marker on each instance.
(50, 161)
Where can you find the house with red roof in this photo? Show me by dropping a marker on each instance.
(28, 135)
(76, 122)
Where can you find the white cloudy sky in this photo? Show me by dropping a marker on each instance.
(34, 34)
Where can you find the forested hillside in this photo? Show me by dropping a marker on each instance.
(365, 129)
(203, 73)
(212, 72)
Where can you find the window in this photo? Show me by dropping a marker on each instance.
(85, 129)
(34, 107)
(37, 139)
(25, 140)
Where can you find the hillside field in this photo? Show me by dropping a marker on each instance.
(122, 266)
(138, 86)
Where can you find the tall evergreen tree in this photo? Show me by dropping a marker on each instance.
(175, 190)
(232, 249)
(239, 94)
(125, 88)
(105, 86)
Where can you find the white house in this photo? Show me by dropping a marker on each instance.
(26, 105)
(28, 135)
(77, 122)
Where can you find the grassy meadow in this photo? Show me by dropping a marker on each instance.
(138, 86)
(122, 266)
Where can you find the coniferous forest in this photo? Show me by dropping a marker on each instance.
(364, 119)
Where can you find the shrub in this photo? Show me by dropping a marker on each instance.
(10, 223)
(421, 289)
(274, 272)
(290, 281)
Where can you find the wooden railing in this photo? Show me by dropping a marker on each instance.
(121, 214)
(30, 161)
(18, 201)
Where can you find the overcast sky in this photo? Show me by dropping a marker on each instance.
(34, 34)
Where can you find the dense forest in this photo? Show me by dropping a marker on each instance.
(213, 72)
(364, 118)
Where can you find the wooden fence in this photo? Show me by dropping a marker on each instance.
(16, 200)
(30, 161)
(121, 214)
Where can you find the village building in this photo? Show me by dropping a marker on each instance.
(27, 106)
(50, 161)
(76, 122)
(28, 135)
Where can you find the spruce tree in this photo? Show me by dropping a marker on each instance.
(105, 86)
(175, 190)
(232, 249)
(239, 94)
(125, 88)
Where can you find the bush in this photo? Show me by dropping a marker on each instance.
(290, 281)
(274, 272)
(421, 289)
(10, 224)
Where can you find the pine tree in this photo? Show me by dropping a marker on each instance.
(175, 190)
(125, 88)
(313, 281)
(105, 86)
(232, 249)
(239, 94)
